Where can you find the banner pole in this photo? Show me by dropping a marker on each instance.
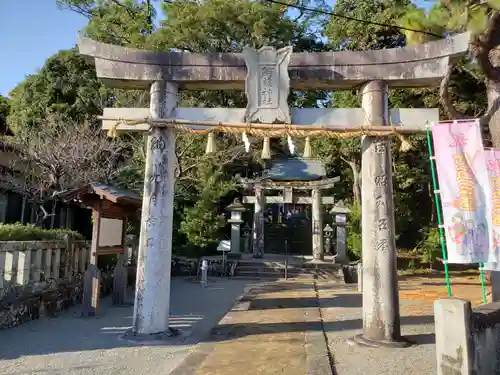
(438, 211)
(483, 287)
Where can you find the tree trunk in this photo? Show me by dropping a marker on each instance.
(356, 180)
(53, 214)
(493, 95)
(356, 186)
(356, 183)
(433, 205)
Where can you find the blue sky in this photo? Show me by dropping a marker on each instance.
(32, 31)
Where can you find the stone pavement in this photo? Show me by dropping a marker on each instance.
(274, 329)
(295, 327)
(71, 345)
(342, 312)
(278, 328)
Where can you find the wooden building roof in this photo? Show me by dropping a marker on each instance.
(88, 193)
(296, 169)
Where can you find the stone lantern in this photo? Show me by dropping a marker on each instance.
(236, 209)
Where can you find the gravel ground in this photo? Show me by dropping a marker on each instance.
(342, 312)
(71, 345)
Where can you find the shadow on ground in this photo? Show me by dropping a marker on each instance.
(195, 310)
(234, 331)
(342, 300)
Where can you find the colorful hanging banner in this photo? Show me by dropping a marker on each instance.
(493, 167)
(464, 190)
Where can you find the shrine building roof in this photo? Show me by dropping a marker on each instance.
(296, 169)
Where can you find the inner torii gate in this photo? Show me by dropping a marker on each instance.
(266, 76)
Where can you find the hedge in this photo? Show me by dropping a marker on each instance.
(20, 232)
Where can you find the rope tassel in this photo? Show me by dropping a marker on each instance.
(211, 144)
(266, 149)
(291, 146)
(307, 148)
(246, 141)
(405, 143)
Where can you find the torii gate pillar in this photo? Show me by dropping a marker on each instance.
(381, 320)
(152, 297)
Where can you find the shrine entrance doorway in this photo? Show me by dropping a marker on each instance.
(288, 229)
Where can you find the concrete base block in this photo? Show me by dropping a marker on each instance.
(153, 338)
(360, 340)
(454, 352)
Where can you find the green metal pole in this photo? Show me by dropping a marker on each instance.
(438, 211)
(483, 287)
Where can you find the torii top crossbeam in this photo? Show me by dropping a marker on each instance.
(413, 66)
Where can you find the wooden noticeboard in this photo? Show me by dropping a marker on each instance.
(110, 210)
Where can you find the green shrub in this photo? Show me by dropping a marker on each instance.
(354, 232)
(20, 232)
(430, 248)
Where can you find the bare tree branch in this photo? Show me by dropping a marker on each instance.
(127, 9)
(444, 94)
(63, 155)
(82, 10)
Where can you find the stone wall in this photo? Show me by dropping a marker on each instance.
(467, 340)
(43, 299)
(40, 278)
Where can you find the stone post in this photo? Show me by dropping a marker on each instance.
(381, 319)
(341, 240)
(246, 239)
(120, 275)
(258, 223)
(495, 286)
(152, 298)
(92, 276)
(454, 337)
(2, 271)
(317, 226)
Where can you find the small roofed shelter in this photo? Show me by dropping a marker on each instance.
(111, 208)
(297, 181)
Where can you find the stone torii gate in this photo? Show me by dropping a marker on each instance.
(266, 75)
(259, 200)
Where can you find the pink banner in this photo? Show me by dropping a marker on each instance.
(493, 167)
(464, 191)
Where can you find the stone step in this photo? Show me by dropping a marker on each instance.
(238, 277)
(274, 270)
(267, 264)
(269, 275)
(260, 272)
(252, 267)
